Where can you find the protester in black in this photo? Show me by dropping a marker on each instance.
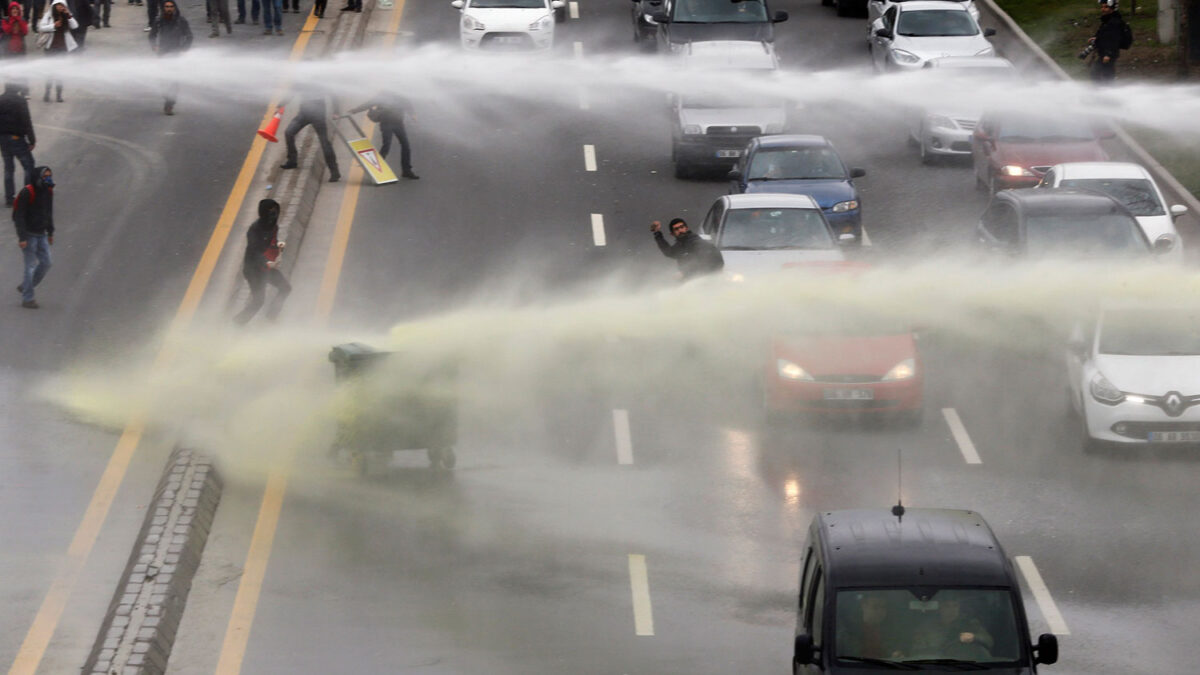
(170, 35)
(33, 218)
(260, 264)
(82, 11)
(312, 111)
(694, 255)
(1107, 42)
(16, 137)
(389, 112)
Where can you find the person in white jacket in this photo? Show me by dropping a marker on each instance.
(55, 38)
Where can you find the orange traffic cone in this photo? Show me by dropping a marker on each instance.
(268, 132)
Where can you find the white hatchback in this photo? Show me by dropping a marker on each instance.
(911, 33)
(507, 25)
(1135, 188)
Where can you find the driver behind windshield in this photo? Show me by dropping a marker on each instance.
(952, 632)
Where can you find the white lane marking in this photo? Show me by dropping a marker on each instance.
(574, 9)
(866, 239)
(584, 104)
(589, 157)
(960, 436)
(639, 581)
(1045, 603)
(599, 240)
(624, 439)
(578, 50)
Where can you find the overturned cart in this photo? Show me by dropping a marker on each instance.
(389, 403)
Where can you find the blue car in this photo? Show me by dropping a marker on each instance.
(803, 165)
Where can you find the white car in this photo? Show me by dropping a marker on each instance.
(1135, 188)
(913, 32)
(767, 232)
(946, 130)
(507, 25)
(877, 8)
(1135, 376)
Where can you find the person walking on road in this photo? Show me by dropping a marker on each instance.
(101, 11)
(260, 264)
(15, 29)
(1111, 37)
(33, 216)
(694, 256)
(16, 137)
(218, 13)
(58, 23)
(312, 111)
(389, 112)
(272, 16)
(170, 35)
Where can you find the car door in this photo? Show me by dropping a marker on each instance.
(711, 226)
(814, 620)
(883, 45)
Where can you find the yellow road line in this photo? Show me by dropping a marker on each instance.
(33, 647)
(245, 603)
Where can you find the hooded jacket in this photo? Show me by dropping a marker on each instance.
(170, 35)
(33, 210)
(261, 243)
(15, 29)
(1108, 35)
(46, 25)
(14, 114)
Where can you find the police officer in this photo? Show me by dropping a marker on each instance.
(312, 111)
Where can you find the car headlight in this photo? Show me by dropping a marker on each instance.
(544, 23)
(692, 129)
(736, 277)
(842, 207)
(902, 371)
(985, 52)
(471, 23)
(1104, 391)
(790, 371)
(774, 128)
(940, 122)
(901, 56)
(1014, 170)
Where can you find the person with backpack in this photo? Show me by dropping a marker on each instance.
(33, 216)
(1111, 37)
(694, 255)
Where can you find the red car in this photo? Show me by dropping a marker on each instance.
(845, 363)
(1014, 150)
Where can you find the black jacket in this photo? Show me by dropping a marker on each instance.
(33, 210)
(694, 255)
(388, 110)
(1108, 36)
(261, 244)
(14, 114)
(171, 35)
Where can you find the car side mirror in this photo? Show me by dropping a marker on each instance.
(846, 239)
(857, 173)
(884, 33)
(734, 174)
(780, 16)
(1047, 649)
(458, 4)
(1165, 243)
(557, 4)
(989, 32)
(803, 653)
(1178, 210)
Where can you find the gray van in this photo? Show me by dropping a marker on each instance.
(928, 590)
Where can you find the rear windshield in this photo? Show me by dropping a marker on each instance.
(497, 4)
(924, 625)
(1137, 194)
(936, 23)
(1151, 332)
(1084, 234)
(1021, 129)
(757, 229)
(720, 11)
(796, 164)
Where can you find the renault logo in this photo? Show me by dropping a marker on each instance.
(1173, 404)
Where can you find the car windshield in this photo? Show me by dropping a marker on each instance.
(720, 11)
(1137, 194)
(1045, 130)
(728, 99)
(796, 164)
(841, 322)
(767, 228)
(926, 625)
(508, 4)
(1084, 234)
(936, 23)
(1151, 332)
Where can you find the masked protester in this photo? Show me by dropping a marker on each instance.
(260, 264)
(694, 256)
(15, 29)
(33, 217)
(169, 36)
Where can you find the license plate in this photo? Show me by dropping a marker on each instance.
(728, 154)
(1175, 436)
(508, 40)
(849, 394)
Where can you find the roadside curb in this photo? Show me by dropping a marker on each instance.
(1166, 180)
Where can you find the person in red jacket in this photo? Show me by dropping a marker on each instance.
(15, 29)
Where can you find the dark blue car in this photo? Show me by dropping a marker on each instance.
(803, 165)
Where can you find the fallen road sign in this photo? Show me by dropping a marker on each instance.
(370, 159)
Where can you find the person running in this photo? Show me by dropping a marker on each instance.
(260, 265)
(33, 217)
(16, 137)
(15, 29)
(170, 35)
(58, 22)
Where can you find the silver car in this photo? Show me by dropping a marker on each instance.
(911, 33)
(946, 130)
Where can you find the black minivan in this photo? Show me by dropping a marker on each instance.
(930, 590)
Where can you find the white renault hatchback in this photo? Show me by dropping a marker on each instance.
(507, 25)
(1135, 376)
(911, 33)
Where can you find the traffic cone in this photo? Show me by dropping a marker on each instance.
(268, 132)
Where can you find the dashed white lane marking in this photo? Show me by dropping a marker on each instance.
(1045, 603)
(599, 240)
(578, 50)
(960, 436)
(589, 157)
(624, 439)
(584, 104)
(639, 581)
(866, 239)
(573, 8)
